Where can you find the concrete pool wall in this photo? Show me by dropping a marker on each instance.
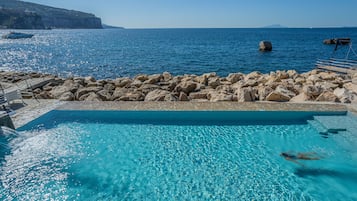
(35, 109)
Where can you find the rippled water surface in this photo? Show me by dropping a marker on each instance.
(110, 53)
(156, 160)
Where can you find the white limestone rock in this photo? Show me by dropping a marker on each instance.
(186, 87)
(156, 95)
(327, 96)
(278, 96)
(246, 94)
(302, 97)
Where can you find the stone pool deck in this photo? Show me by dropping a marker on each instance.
(33, 109)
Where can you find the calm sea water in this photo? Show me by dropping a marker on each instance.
(132, 156)
(110, 53)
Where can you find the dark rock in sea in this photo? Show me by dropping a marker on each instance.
(329, 41)
(340, 41)
(265, 46)
(16, 14)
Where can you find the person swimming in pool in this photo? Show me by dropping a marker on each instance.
(300, 156)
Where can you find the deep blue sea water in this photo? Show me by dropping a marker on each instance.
(111, 53)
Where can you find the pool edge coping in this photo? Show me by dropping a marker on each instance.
(204, 106)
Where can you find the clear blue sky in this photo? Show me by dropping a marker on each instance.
(216, 13)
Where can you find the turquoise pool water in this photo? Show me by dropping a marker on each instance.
(97, 155)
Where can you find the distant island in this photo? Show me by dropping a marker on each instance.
(275, 26)
(15, 14)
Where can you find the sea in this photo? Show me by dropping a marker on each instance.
(111, 53)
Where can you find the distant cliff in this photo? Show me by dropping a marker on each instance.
(16, 14)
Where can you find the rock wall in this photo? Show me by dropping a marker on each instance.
(281, 86)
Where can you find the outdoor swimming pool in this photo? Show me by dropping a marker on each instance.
(152, 155)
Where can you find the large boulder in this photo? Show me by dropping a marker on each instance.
(327, 96)
(67, 96)
(312, 91)
(225, 88)
(282, 75)
(278, 96)
(292, 73)
(57, 91)
(283, 90)
(235, 77)
(91, 96)
(45, 95)
(119, 92)
(169, 86)
(136, 83)
(250, 83)
(122, 82)
(328, 76)
(265, 46)
(299, 80)
(86, 90)
(351, 87)
(153, 79)
(220, 96)
(134, 95)
(343, 94)
(255, 75)
(146, 88)
(89, 79)
(354, 78)
(183, 97)
(170, 97)
(246, 94)
(68, 86)
(327, 86)
(302, 97)
(104, 95)
(203, 79)
(263, 92)
(314, 79)
(142, 77)
(156, 95)
(186, 87)
(166, 76)
(110, 87)
(198, 95)
(214, 82)
(93, 84)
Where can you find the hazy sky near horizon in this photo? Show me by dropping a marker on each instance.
(215, 13)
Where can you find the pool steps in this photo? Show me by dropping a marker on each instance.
(318, 126)
(334, 124)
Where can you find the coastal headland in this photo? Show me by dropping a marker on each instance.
(278, 86)
(15, 14)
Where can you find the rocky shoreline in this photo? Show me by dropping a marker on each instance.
(279, 86)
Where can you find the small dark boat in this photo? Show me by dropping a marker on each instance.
(16, 35)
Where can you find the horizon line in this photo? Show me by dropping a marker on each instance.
(322, 27)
